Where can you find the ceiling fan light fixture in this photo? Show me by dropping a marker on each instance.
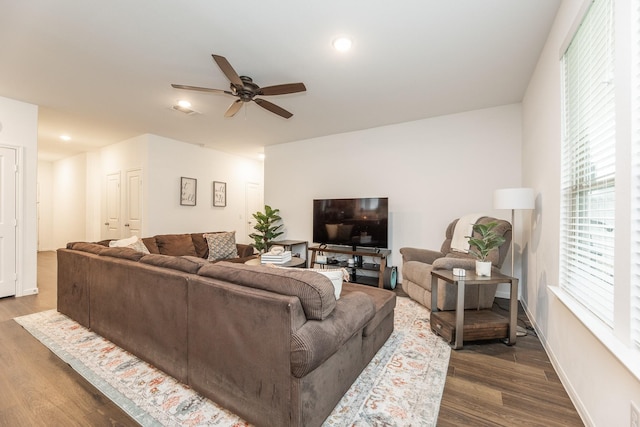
(342, 44)
(245, 90)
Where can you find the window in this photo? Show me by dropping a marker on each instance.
(588, 164)
(635, 257)
(635, 201)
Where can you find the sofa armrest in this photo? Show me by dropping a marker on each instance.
(317, 340)
(449, 263)
(244, 250)
(422, 255)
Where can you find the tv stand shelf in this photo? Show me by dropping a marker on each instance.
(358, 254)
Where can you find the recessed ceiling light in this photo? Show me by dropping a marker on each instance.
(183, 106)
(342, 44)
(65, 137)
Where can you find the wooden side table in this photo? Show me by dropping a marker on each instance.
(294, 262)
(298, 248)
(477, 318)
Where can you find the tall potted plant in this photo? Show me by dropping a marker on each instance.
(267, 228)
(484, 239)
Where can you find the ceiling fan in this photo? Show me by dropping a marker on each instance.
(246, 90)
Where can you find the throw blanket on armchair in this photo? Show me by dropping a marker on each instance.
(464, 228)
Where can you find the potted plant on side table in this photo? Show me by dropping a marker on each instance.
(484, 239)
(266, 228)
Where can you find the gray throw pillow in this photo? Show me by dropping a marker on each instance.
(221, 245)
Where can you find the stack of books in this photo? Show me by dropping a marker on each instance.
(276, 259)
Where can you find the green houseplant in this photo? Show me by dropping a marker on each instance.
(267, 228)
(483, 241)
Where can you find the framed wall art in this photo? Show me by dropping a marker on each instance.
(219, 193)
(188, 191)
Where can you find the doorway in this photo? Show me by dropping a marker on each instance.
(123, 211)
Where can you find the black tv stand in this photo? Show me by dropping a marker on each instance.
(357, 260)
(357, 255)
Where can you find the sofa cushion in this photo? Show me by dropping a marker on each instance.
(315, 291)
(150, 243)
(200, 243)
(175, 244)
(221, 245)
(124, 253)
(383, 300)
(130, 242)
(186, 264)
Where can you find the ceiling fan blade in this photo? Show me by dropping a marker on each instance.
(282, 89)
(228, 70)
(233, 108)
(201, 89)
(272, 107)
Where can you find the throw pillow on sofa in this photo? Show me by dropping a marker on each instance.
(336, 275)
(130, 242)
(221, 245)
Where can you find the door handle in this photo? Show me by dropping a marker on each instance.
(126, 225)
(106, 223)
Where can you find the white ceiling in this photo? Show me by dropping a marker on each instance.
(101, 70)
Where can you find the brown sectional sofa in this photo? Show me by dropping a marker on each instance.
(272, 345)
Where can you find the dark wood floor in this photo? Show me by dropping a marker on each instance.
(488, 384)
(492, 384)
(36, 387)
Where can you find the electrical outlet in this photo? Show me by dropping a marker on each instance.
(635, 415)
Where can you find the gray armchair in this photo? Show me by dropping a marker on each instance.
(418, 263)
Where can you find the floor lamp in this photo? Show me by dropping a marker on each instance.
(514, 198)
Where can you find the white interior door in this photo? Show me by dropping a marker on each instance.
(253, 204)
(112, 222)
(8, 267)
(133, 204)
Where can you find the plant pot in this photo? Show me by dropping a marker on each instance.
(483, 268)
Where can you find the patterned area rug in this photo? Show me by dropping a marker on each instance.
(401, 386)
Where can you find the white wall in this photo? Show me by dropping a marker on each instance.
(168, 160)
(93, 190)
(19, 129)
(77, 188)
(599, 384)
(70, 201)
(45, 206)
(432, 170)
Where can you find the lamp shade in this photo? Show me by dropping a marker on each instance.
(514, 198)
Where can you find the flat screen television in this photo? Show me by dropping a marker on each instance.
(351, 222)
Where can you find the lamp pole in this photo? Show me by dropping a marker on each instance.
(514, 198)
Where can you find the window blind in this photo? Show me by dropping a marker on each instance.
(635, 204)
(588, 164)
(635, 256)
